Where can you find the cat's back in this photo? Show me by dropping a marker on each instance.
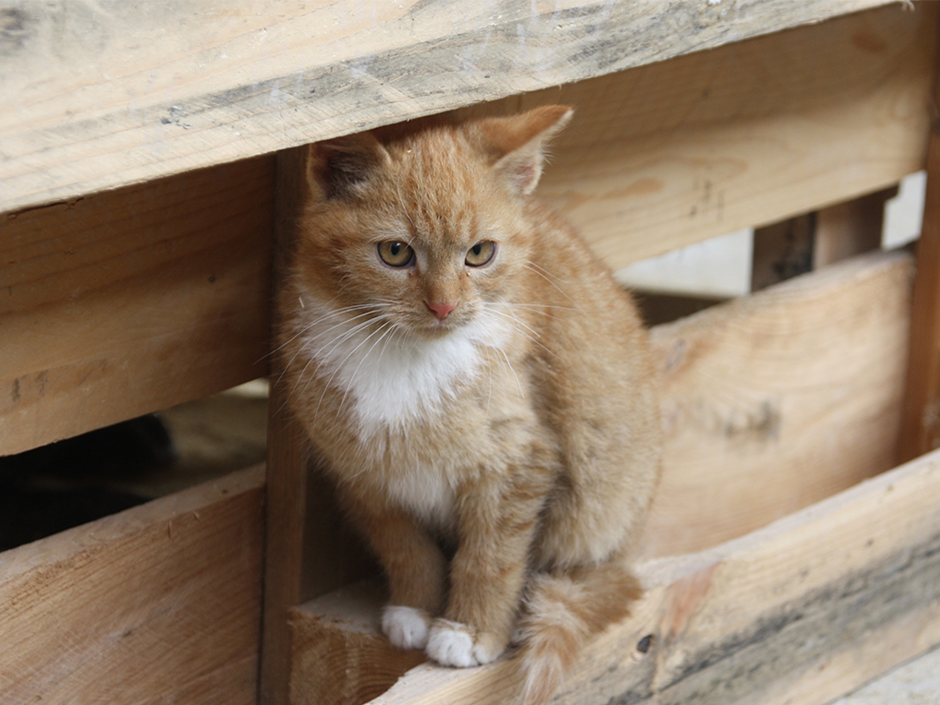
(586, 313)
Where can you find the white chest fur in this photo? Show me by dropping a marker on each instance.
(428, 495)
(393, 378)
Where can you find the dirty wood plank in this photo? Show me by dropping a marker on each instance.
(775, 401)
(803, 611)
(160, 603)
(123, 303)
(670, 154)
(99, 96)
(338, 655)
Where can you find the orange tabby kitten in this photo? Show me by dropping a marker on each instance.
(472, 378)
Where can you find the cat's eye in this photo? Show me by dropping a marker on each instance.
(396, 253)
(481, 254)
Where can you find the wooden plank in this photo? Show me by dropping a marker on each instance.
(775, 401)
(921, 418)
(309, 551)
(99, 97)
(339, 657)
(850, 228)
(746, 135)
(801, 611)
(160, 603)
(122, 303)
(286, 504)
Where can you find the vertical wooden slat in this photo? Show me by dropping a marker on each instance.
(921, 413)
(287, 468)
(309, 549)
(850, 228)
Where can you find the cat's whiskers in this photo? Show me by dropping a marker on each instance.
(524, 330)
(373, 315)
(305, 348)
(371, 312)
(387, 326)
(548, 276)
(535, 308)
(513, 371)
(310, 324)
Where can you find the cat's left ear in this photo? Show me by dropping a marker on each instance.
(516, 144)
(337, 168)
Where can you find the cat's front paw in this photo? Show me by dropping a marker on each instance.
(406, 627)
(455, 644)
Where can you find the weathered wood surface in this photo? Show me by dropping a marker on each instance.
(775, 401)
(339, 656)
(157, 604)
(798, 612)
(921, 419)
(126, 302)
(670, 154)
(286, 499)
(850, 228)
(99, 95)
(309, 550)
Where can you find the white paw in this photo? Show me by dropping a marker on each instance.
(456, 644)
(405, 627)
(451, 644)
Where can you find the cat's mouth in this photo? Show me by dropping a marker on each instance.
(432, 327)
(438, 328)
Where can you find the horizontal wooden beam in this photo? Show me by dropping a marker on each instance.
(126, 302)
(801, 611)
(160, 603)
(778, 400)
(95, 99)
(745, 135)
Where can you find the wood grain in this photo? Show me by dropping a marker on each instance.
(670, 154)
(777, 400)
(309, 548)
(798, 612)
(126, 302)
(921, 431)
(157, 604)
(93, 97)
(287, 477)
(340, 656)
(850, 228)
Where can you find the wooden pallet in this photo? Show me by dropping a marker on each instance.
(148, 183)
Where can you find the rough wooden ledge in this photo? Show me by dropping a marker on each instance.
(801, 611)
(160, 603)
(95, 99)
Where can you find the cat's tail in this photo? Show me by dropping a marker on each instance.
(563, 611)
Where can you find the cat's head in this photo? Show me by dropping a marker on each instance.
(423, 224)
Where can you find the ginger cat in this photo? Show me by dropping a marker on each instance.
(478, 387)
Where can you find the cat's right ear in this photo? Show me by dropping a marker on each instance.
(340, 167)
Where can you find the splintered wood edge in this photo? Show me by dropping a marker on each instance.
(806, 608)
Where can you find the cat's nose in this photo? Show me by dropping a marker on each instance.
(441, 310)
